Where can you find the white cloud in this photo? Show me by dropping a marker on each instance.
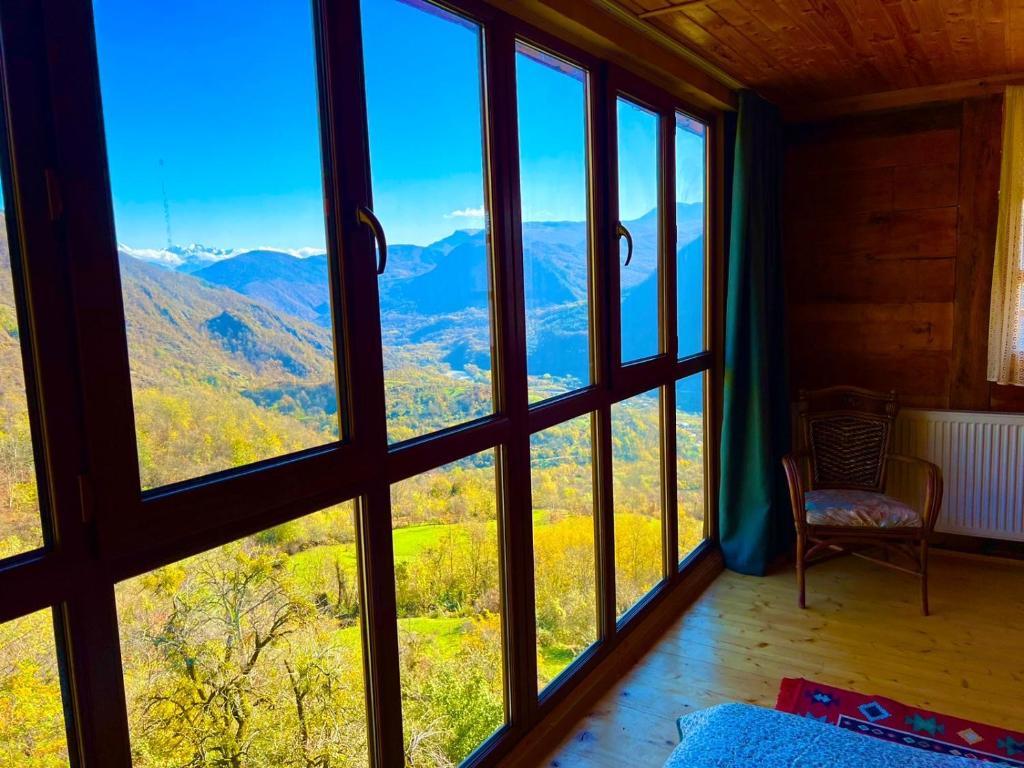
(299, 253)
(155, 255)
(466, 213)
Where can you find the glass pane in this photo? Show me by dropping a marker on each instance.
(552, 97)
(691, 161)
(249, 654)
(21, 527)
(636, 475)
(638, 211)
(427, 159)
(219, 209)
(32, 731)
(562, 483)
(690, 462)
(449, 610)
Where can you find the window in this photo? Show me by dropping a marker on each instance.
(1006, 316)
(251, 653)
(218, 206)
(427, 161)
(691, 183)
(636, 449)
(690, 469)
(448, 591)
(32, 730)
(553, 176)
(21, 524)
(356, 438)
(638, 177)
(565, 570)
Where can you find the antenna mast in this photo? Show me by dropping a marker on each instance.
(167, 207)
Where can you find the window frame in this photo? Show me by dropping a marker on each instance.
(105, 529)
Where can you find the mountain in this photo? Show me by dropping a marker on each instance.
(231, 350)
(183, 258)
(183, 329)
(434, 298)
(690, 310)
(295, 286)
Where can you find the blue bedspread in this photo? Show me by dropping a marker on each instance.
(745, 736)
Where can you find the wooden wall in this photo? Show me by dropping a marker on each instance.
(888, 236)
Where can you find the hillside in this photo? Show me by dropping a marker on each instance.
(438, 294)
(232, 356)
(231, 372)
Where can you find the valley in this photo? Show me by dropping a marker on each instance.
(251, 653)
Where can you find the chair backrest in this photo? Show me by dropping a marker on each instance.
(847, 431)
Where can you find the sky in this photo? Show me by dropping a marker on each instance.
(211, 117)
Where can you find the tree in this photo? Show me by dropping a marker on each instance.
(234, 667)
(32, 728)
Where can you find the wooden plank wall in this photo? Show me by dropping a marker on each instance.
(888, 236)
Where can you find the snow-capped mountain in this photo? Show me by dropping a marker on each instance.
(194, 257)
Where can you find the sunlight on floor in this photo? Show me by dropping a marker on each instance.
(862, 630)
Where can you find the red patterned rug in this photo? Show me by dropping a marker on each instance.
(892, 721)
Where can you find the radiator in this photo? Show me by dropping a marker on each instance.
(982, 460)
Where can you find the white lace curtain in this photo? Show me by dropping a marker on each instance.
(1006, 322)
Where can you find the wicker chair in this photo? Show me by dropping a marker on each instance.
(836, 486)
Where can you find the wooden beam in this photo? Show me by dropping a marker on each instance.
(892, 100)
(980, 154)
(667, 10)
(605, 29)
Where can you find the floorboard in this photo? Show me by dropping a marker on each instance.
(862, 630)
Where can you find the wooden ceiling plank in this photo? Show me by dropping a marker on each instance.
(608, 14)
(964, 36)
(823, 16)
(908, 29)
(789, 21)
(1015, 32)
(940, 54)
(674, 8)
(993, 39)
(891, 100)
(779, 36)
(827, 54)
(923, 26)
(877, 26)
(937, 37)
(705, 17)
(690, 32)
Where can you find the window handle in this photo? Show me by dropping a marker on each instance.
(365, 216)
(622, 232)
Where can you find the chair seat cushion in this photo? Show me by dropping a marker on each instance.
(862, 509)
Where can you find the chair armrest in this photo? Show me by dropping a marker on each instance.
(933, 488)
(791, 464)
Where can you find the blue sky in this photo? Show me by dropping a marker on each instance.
(213, 105)
(551, 102)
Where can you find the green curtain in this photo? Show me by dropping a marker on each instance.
(755, 524)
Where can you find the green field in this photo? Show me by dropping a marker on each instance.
(444, 632)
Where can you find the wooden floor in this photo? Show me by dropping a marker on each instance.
(862, 630)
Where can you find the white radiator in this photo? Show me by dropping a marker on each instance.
(982, 460)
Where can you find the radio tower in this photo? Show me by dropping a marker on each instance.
(167, 207)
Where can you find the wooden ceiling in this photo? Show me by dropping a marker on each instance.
(803, 51)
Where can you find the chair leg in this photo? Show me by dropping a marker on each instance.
(801, 569)
(924, 578)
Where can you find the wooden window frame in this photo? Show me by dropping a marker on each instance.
(104, 529)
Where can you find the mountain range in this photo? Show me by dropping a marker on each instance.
(257, 322)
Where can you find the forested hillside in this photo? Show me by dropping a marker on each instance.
(250, 654)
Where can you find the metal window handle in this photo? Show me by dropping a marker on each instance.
(622, 232)
(365, 216)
